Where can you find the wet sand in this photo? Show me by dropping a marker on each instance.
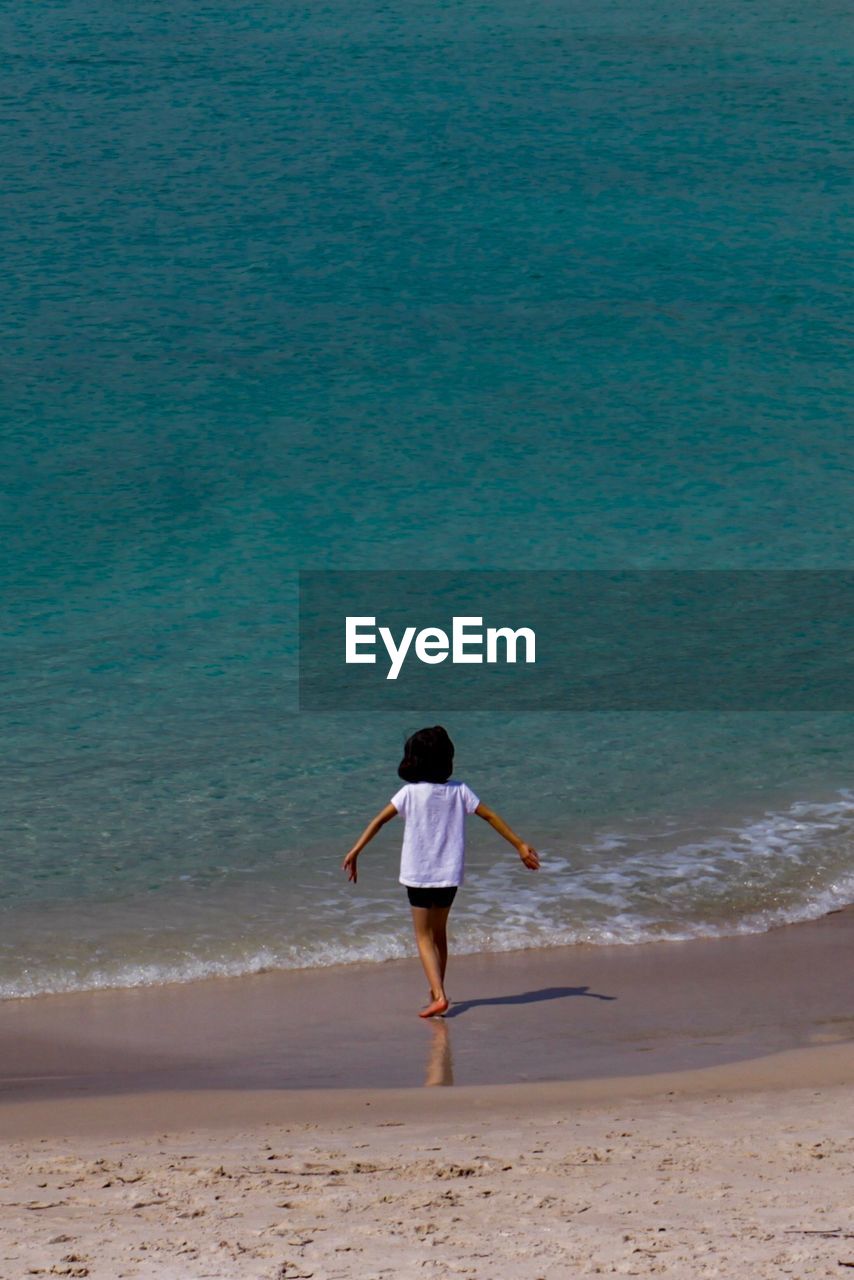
(574, 1013)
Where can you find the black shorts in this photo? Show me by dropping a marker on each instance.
(439, 897)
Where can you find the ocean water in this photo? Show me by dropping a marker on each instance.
(375, 285)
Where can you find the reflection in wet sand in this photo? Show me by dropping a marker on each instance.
(440, 1067)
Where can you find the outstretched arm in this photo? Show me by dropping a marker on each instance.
(385, 815)
(525, 852)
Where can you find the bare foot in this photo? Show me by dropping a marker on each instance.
(436, 1009)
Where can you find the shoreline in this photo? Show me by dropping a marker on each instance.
(534, 1018)
(225, 974)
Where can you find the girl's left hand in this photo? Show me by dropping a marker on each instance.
(349, 865)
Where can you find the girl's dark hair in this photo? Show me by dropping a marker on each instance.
(428, 756)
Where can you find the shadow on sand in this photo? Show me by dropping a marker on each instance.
(526, 997)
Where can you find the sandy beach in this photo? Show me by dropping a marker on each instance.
(693, 1118)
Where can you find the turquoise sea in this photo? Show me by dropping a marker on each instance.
(384, 285)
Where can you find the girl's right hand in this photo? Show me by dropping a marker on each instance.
(349, 865)
(530, 857)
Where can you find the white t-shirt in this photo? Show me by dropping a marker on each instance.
(434, 839)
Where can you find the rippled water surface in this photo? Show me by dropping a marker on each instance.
(385, 285)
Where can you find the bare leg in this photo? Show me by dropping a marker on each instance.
(440, 1068)
(429, 959)
(438, 924)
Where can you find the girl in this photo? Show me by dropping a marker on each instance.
(433, 856)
